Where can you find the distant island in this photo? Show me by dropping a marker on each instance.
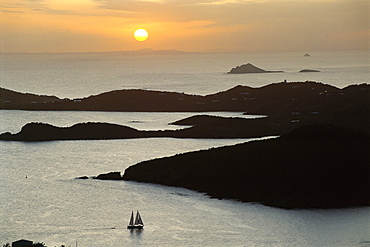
(313, 166)
(249, 68)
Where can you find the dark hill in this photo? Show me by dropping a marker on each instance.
(204, 127)
(82, 131)
(288, 105)
(218, 127)
(316, 166)
(278, 98)
(15, 100)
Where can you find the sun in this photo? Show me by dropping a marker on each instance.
(141, 34)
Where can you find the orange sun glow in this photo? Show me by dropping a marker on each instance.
(141, 34)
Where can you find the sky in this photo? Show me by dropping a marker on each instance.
(186, 25)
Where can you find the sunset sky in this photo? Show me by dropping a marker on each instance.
(187, 25)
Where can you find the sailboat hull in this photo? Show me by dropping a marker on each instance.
(135, 227)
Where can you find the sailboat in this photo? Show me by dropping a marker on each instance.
(137, 224)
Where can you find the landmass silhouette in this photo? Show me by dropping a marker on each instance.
(286, 105)
(314, 166)
(320, 159)
(249, 68)
(273, 99)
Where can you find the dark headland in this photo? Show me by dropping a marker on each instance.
(314, 166)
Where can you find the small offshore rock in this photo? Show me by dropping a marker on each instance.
(309, 70)
(109, 176)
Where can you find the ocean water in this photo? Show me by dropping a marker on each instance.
(41, 200)
(75, 75)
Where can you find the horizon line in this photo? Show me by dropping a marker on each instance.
(150, 51)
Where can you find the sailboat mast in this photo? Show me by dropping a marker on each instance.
(131, 219)
(137, 218)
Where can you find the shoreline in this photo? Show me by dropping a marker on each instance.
(279, 172)
(286, 105)
(319, 161)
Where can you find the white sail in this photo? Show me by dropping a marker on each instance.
(138, 220)
(138, 224)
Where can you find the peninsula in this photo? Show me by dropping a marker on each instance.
(314, 166)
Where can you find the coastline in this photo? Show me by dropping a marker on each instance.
(286, 105)
(325, 121)
(314, 166)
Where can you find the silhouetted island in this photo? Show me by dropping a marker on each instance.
(249, 68)
(83, 131)
(203, 127)
(286, 105)
(273, 99)
(314, 166)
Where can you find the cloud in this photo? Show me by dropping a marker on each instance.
(197, 25)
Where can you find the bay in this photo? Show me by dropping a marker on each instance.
(42, 201)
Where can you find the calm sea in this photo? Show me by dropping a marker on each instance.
(75, 75)
(42, 201)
